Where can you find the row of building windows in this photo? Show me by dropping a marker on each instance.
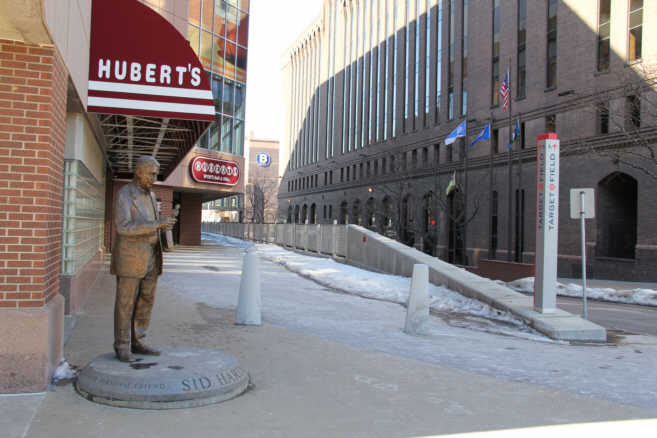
(376, 106)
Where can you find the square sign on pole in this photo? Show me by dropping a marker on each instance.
(575, 203)
(547, 223)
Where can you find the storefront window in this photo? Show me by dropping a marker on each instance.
(230, 57)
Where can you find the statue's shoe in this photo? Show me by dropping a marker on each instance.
(125, 356)
(144, 349)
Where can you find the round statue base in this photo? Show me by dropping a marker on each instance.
(178, 378)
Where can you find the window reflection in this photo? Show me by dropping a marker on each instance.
(193, 35)
(239, 100)
(206, 15)
(228, 98)
(220, 18)
(195, 12)
(231, 23)
(205, 53)
(243, 34)
(226, 134)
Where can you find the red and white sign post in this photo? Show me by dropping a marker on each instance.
(547, 223)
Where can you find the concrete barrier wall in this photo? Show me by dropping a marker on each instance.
(363, 248)
(367, 249)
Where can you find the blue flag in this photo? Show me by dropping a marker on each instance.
(483, 135)
(459, 131)
(515, 135)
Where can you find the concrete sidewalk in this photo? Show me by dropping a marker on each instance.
(307, 383)
(611, 284)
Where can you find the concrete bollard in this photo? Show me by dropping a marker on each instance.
(249, 303)
(417, 312)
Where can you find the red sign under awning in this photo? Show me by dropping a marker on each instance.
(139, 64)
(214, 171)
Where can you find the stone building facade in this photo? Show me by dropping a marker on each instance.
(373, 88)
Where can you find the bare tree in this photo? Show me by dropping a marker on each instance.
(260, 199)
(626, 119)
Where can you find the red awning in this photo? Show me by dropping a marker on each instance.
(148, 84)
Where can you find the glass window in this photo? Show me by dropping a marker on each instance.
(218, 61)
(243, 33)
(495, 78)
(604, 22)
(195, 12)
(240, 67)
(228, 98)
(220, 18)
(552, 44)
(239, 100)
(231, 23)
(227, 134)
(636, 29)
(213, 137)
(522, 34)
(244, 5)
(239, 137)
(206, 50)
(217, 92)
(206, 16)
(230, 59)
(193, 35)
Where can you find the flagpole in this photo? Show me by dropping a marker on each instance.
(465, 191)
(490, 194)
(510, 172)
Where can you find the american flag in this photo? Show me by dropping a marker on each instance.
(505, 91)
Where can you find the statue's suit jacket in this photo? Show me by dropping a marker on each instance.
(135, 233)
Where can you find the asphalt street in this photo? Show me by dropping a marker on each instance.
(627, 318)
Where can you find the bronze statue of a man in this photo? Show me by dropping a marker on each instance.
(136, 259)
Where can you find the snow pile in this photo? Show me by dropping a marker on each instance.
(64, 372)
(646, 297)
(463, 311)
(222, 240)
(384, 287)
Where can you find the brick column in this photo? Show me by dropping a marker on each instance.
(190, 219)
(33, 86)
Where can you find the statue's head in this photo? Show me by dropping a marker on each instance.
(146, 171)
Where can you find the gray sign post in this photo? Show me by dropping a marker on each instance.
(547, 223)
(582, 206)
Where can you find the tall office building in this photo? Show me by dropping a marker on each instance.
(374, 88)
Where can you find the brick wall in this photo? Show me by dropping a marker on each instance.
(190, 219)
(33, 85)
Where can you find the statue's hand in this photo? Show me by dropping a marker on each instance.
(167, 223)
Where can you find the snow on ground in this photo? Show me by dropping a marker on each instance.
(383, 287)
(621, 372)
(646, 297)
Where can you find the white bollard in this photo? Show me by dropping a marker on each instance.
(248, 303)
(417, 312)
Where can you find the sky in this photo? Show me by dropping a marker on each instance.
(274, 25)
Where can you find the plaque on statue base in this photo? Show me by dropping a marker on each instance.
(178, 378)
